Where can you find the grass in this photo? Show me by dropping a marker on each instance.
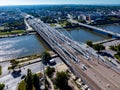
(1, 28)
(52, 25)
(28, 58)
(0, 70)
(12, 32)
(63, 23)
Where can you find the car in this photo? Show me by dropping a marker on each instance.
(23, 76)
(52, 61)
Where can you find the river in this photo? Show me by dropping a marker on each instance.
(83, 35)
(20, 46)
(31, 44)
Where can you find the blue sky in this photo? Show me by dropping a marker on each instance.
(28, 2)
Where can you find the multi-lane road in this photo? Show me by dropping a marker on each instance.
(96, 74)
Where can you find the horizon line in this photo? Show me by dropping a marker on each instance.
(61, 4)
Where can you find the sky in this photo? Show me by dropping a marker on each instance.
(31, 2)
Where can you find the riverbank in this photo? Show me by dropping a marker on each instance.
(78, 26)
(12, 33)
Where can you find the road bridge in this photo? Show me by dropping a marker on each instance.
(75, 56)
(97, 29)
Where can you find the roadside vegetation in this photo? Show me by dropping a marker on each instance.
(30, 82)
(15, 63)
(12, 32)
(117, 49)
(50, 71)
(64, 23)
(117, 55)
(46, 56)
(2, 86)
(59, 79)
(97, 47)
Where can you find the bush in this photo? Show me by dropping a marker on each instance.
(98, 47)
(22, 85)
(89, 43)
(49, 71)
(117, 55)
(2, 86)
(14, 63)
(62, 80)
(115, 48)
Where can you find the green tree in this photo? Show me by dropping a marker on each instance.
(14, 63)
(49, 71)
(62, 80)
(2, 86)
(68, 24)
(46, 56)
(89, 43)
(36, 82)
(98, 47)
(29, 80)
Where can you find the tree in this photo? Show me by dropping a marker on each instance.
(28, 80)
(98, 47)
(49, 71)
(14, 63)
(89, 43)
(46, 56)
(2, 86)
(62, 80)
(36, 82)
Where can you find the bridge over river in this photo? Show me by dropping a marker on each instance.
(97, 29)
(97, 74)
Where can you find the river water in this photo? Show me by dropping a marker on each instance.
(31, 44)
(19, 47)
(83, 35)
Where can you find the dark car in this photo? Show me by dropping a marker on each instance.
(23, 76)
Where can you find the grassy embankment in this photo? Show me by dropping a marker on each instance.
(12, 32)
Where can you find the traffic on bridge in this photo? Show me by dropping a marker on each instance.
(82, 63)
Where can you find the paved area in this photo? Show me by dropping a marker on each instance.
(103, 75)
(112, 43)
(11, 82)
(61, 67)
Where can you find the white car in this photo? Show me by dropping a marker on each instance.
(52, 61)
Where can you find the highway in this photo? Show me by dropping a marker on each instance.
(97, 74)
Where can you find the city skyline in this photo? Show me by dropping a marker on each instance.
(47, 2)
